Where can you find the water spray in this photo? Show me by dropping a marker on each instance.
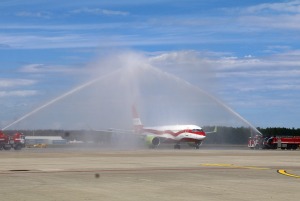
(212, 97)
(132, 68)
(76, 89)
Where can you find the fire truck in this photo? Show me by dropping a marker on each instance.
(274, 142)
(16, 141)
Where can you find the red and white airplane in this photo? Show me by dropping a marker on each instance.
(191, 134)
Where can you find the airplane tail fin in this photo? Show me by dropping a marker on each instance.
(137, 124)
(214, 131)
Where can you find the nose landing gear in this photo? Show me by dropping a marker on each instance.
(197, 144)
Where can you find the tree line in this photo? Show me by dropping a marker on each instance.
(240, 135)
(277, 131)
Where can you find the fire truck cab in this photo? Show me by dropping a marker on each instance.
(16, 141)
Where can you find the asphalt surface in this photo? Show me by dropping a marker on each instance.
(162, 174)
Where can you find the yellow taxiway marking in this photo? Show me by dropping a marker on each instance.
(283, 172)
(234, 166)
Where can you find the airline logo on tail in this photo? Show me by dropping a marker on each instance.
(137, 124)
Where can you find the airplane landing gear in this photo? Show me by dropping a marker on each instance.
(197, 144)
(177, 146)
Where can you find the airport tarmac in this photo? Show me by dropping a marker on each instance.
(162, 174)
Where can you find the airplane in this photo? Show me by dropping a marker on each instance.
(191, 134)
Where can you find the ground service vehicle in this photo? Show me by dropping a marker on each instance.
(37, 146)
(274, 142)
(16, 141)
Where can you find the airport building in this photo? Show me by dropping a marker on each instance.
(55, 140)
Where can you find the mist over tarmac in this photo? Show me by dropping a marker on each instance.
(118, 80)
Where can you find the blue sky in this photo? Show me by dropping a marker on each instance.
(251, 47)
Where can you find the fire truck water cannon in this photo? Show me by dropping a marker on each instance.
(16, 141)
(274, 142)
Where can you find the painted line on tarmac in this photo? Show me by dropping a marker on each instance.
(283, 172)
(234, 166)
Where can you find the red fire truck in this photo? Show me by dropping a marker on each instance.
(274, 142)
(16, 141)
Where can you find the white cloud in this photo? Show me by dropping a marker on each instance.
(262, 17)
(190, 65)
(42, 68)
(288, 6)
(98, 11)
(262, 73)
(4, 83)
(4, 46)
(66, 27)
(176, 57)
(18, 93)
(258, 102)
(287, 61)
(48, 42)
(290, 54)
(284, 65)
(46, 15)
(270, 21)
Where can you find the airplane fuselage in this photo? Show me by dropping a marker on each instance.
(180, 133)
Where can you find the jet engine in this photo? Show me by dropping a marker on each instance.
(152, 141)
